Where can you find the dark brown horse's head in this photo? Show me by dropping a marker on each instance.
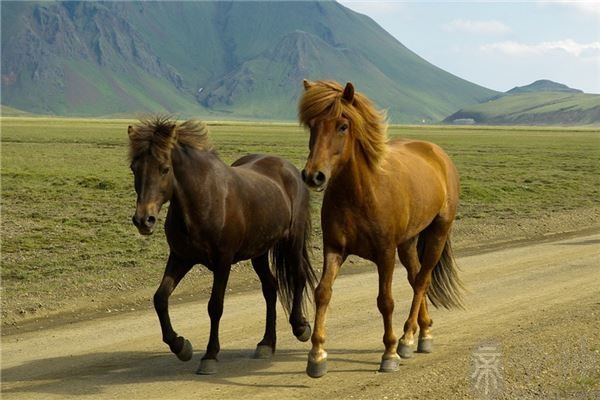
(342, 124)
(150, 154)
(152, 143)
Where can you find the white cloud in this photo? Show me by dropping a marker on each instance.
(586, 7)
(568, 46)
(477, 27)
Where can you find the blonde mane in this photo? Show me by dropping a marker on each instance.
(160, 134)
(324, 100)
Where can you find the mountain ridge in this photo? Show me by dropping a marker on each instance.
(240, 59)
(543, 85)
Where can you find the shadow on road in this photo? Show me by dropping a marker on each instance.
(91, 373)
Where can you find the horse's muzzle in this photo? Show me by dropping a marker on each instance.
(315, 180)
(144, 224)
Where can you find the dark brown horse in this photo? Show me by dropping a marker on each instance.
(218, 215)
(381, 197)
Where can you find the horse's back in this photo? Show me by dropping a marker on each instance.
(270, 197)
(421, 157)
(432, 180)
(267, 165)
(278, 170)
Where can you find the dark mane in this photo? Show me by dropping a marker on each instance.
(160, 134)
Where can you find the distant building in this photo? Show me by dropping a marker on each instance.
(464, 121)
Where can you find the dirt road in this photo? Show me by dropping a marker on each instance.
(536, 307)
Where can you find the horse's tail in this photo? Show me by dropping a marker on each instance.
(446, 288)
(293, 269)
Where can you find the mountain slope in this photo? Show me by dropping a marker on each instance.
(240, 59)
(81, 59)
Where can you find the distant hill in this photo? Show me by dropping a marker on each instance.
(543, 85)
(210, 59)
(13, 112)
(533, 108)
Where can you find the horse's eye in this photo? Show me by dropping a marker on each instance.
(164, 170)
(343, 128)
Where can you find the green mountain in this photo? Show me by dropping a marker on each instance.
(533, 108)
(543, 85)
(210, 59)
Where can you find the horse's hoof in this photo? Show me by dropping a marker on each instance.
(208, 366)
(263, 352)
(305, 334)
(389, 364)
(405, 351)
(186, 352)
(316, 369)
(425, 345)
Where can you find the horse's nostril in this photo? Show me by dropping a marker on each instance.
(151, 220)
(319, 178)
(135, 221)
(316, 180)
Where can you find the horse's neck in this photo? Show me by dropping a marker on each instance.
(198, 177)
(356, 180)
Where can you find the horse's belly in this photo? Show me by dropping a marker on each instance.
(369, 235)
(256, 226)
(260, 239)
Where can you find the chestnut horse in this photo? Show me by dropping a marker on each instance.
(219, 215)
(381, 197)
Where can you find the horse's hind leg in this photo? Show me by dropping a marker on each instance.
(409, 257)
(266, 347)
(174, 272)
(434, 239)
(292, 267)
(300, 325)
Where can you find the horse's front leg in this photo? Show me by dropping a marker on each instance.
(174, 272)
(390, 361)
(317, 357)
(208, 364)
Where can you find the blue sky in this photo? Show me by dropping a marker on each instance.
(500, 44)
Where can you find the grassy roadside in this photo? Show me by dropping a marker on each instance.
(67, 199)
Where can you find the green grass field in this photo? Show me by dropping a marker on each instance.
(67, 196)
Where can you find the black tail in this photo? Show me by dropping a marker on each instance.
(292, 263)
(446, 287)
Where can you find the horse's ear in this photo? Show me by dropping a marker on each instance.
(130, 130)
(173, 132)
(308, 84)
(348, 93)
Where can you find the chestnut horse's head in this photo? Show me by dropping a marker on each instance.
(150, 146)
(343, 124)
